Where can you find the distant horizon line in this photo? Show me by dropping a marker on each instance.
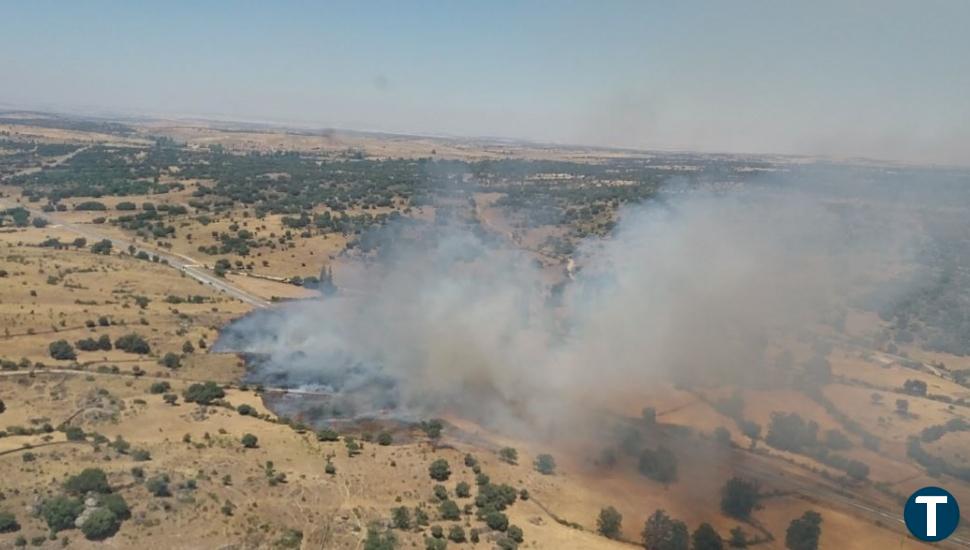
(291, 126)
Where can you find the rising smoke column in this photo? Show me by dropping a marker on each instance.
(693, 291)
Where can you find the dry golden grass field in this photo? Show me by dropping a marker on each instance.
(278, 493)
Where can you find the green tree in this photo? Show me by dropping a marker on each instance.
(249, 441)
(456, 534)
(440, 470)
(102, 247)
(74, 433)
(658, 464)
(100, 524)
(803, 533)
(171, 360)
(204, 394)
(133, 343)
(915, 387)
(62, 350)
(706, 538)
(449, 510)
(739, 497)
(353, 448)
(902, 407)
(738, 539)
(545, 464)
(789, 432)
(8, 523)
(104, 342)
(509, 455)
(497, 520)
(60, 512)
(117, 504)
(401, 517)
(377, 540)
(158, 486)
(660, 532)
(89, 480)
(609, 522)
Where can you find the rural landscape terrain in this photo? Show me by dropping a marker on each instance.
(239, 335)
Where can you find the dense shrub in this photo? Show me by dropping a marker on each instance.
(609, 522)
(789, 432)
(117, 504)
(449, 510)
(62, 350)
(102, 247)
(89, 480)
(171, 360)
(204, 394)
(8, 523)
(60, 512)
(133, 343)
(545, 464)
(707, 538)
(74, 433)
(803, 533)
(658, 464)
(439, 470)
(158, 486)
(739, 497)
(100, 524)
(91, 205)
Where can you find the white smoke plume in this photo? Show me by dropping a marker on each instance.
(693, 290)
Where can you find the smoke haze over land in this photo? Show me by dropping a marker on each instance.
(692, 291)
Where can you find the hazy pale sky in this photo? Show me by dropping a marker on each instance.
(883, 79)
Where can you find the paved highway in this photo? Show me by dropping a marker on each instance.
(177, 261)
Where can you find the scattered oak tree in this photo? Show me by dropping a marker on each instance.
(803, 533)
(609, 522)
(706, 538)
(660, 532)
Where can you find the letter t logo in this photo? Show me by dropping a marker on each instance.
(931, 502)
